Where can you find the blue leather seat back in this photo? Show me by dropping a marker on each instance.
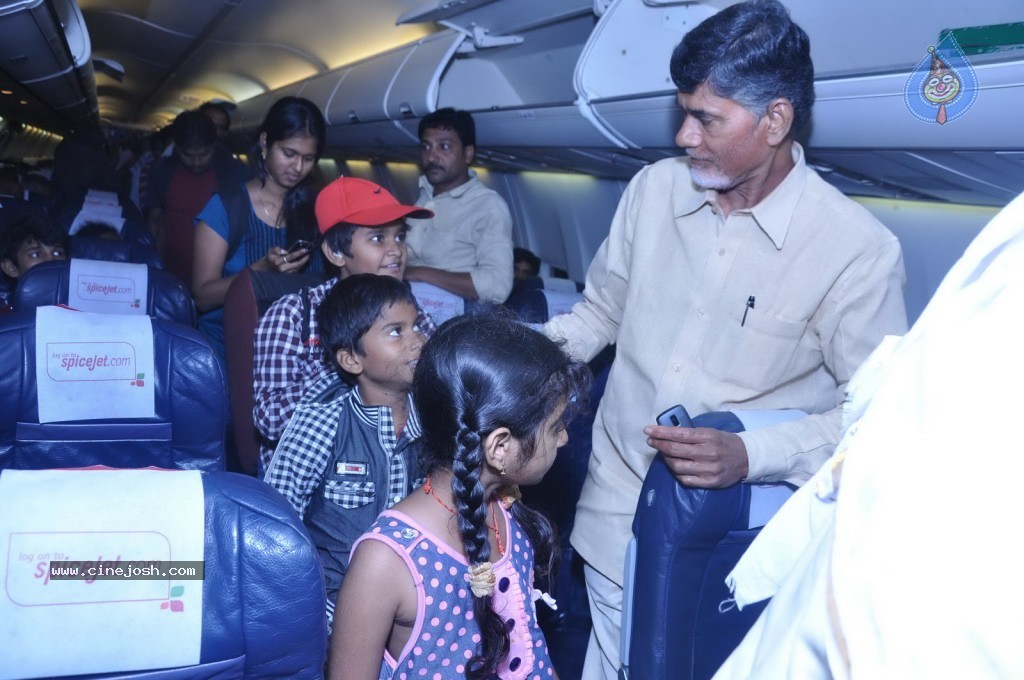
(47, 284)
(264, 599)
(529, 298)
(263, 592)
(191, 409)
(684, 623)
(114, 250)
(529, 304)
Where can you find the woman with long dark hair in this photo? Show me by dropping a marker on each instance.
(254, 225)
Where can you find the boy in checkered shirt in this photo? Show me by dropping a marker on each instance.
(364, 230)
(349, 450)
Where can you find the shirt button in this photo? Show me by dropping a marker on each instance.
(396, 499)
(678, 368)
(700, 313)
(722, 251)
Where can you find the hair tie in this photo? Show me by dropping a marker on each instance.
(507, 495)
(481, 579)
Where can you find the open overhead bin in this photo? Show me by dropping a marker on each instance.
(514, 73)
(623, 73)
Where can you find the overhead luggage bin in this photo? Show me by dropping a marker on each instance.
(371, 102)
(623, 73)
(46, 50)
(520, 91)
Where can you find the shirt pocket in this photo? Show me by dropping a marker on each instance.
(761, 352)
(349, 495)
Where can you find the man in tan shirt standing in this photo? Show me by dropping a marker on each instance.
(734, 277)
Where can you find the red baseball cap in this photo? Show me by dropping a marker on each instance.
(361, 202)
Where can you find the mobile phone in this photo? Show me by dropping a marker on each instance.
(302, 244)
(675, 417)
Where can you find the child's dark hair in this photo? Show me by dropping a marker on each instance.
(352, 307)
(339, 237)
(287, 118)
(478, 373)
(42, 231)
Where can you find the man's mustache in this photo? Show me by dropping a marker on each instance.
(432, 166)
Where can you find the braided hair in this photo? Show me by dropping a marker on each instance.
(476, 374)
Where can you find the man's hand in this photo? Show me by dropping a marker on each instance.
(700, 456)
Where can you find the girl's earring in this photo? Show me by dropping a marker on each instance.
(263, 153)
(503, 470)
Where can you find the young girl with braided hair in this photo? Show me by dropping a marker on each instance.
(442, 585)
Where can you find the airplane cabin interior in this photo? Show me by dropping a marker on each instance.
(570, 98)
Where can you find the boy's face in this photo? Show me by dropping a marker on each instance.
(390, 350)
(29, 255)
(375, 250)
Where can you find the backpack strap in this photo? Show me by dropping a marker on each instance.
(236, 204)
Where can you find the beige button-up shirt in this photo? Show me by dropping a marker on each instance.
(471, 231)
(670, 287)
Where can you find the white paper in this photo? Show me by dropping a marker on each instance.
(92, 366)
(63, 627)
(96, 197)
(98, 210)
(439, 303)
(107, 287)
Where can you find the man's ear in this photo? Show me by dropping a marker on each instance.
(469, 153)
(9, 268)
(497, 449)
(349, 361)
(779, 118)
(335, 258)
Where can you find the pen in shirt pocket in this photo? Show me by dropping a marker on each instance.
(747, 308)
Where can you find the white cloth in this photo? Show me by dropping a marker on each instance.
(917, 575)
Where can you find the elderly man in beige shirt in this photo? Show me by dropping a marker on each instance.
(735, 278)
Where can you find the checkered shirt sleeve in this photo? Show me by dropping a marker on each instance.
(298, 464)
(425, 322)
(283, 367)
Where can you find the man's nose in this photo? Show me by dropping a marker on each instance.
(688, 136)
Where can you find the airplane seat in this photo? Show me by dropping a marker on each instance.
(187, 431)
(679, 618)
(248, 298)
(529, 304)
(112, 250)
(262, 593)
(6, 290)
(558, 283)
(536, 300)
(47, 284)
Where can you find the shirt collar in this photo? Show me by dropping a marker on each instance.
(457, 192)
(773, 213)
(377, 414)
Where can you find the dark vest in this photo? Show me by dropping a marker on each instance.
(353, 491)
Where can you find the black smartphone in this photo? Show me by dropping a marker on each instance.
(302, 244)
(675, 417)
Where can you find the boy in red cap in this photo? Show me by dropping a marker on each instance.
(363, 232)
